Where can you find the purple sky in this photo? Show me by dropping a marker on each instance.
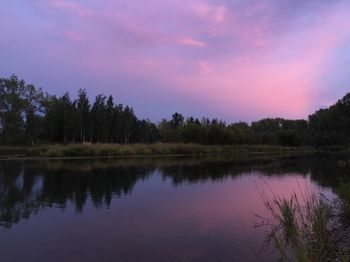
(231, 59)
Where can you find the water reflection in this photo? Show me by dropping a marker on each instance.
(28, 187)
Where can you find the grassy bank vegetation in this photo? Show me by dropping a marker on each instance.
(159, 149)
(310, 227)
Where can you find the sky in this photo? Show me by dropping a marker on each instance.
(237, 60)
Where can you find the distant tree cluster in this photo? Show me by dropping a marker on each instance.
(30, 116)
(213, 132)
(331, 126)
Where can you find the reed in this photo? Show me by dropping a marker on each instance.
(247, 152)
(304, 227)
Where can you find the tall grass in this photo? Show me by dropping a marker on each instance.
(116, 150)
(305, 228)
(343, 192)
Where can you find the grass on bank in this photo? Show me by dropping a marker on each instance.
(159, 149)
(308, 228)
(343, 192)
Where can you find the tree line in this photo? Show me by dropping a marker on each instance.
(28, 115)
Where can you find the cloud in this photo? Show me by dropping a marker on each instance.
(214, 13)
(192, 42)
(237, 59)
(73, 35)
(73, 7)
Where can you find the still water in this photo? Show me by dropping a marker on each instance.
(145, 209)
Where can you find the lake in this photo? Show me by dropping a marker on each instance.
(179, 209)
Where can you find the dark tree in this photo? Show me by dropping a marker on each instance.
(30, 116)
(83, 107)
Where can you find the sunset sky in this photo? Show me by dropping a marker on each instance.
(230, 59)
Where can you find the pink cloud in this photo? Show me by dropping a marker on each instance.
(219, 15)
(236, 59)
(73, 35)
(192, 42)
(281, 79)
(214, 13)
(69, 6)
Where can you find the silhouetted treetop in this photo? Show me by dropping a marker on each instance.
(30, 116)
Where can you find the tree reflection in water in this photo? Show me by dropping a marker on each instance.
(26, 187)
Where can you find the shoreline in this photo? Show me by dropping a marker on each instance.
(115, 151)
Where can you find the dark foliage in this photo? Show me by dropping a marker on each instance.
(30, 116)
(331, 126)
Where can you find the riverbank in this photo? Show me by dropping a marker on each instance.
(309, 227)
(248, 152)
